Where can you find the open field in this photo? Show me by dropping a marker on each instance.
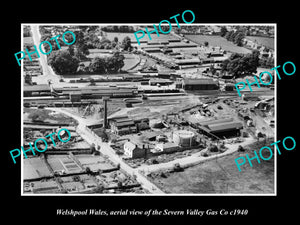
(34, 168)
(265, 41)
(130, 61)
(217, 41)
(222, 176)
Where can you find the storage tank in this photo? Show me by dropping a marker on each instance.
(184, 138)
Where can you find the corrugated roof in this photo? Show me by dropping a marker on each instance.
(125, 123)
(225, 126)
(124, 119)
(194, 60)
(199, 81)
(210, 122)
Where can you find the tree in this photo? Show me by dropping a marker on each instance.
(47, 37)
(114, 63)
(63, 62)
(80, 43)
(212, 69)
(97, 65)
(104, 43)
(88, 170)
(239, 64)
(238, 39)
(35, 117)
(99, 189)
(71, 50)
(126, 44)
(223, 31)
(229, 35)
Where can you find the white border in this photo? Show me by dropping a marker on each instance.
(143, 24)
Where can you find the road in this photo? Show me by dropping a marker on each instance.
(90, 138)
(48, 72)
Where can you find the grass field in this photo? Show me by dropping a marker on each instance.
(217, 41)
(130, 61)
(266, 41)
(34, 168)
(222, 176)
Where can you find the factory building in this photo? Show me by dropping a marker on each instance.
(200, 84)
(125, 125)
(194, 61)
(221, 128)
(153, 143)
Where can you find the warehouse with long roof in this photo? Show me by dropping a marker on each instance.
(200, 84)
(220, 128)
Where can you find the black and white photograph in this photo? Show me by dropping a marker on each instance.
(150, 114)
(159, 116)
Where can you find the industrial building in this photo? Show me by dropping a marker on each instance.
(221, 127)
(155, 143)
(200, 84)
(84, 92)
(194, 61)
(171, 45)
(124, 125)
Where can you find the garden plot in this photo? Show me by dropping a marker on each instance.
(95, 163)
(63, 163)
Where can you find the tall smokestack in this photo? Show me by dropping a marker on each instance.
(105, 122)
